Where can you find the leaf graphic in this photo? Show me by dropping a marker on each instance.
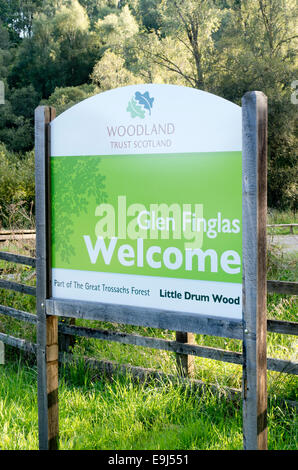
(74, 180)
(145, 100)
(135, 110)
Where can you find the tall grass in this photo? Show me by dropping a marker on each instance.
(282, 217)
(118, 414)
(101, 413)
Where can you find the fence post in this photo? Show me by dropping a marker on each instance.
(47, 326)
(254, 387)
(185, 362)
(66, 342)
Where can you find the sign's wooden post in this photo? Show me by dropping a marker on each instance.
(254, 114)
(47, 326)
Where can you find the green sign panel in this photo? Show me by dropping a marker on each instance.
(146, 201)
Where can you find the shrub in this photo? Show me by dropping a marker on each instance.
(17, 188)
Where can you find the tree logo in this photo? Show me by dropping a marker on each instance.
(140, 105)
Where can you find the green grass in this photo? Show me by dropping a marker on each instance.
(24, 275)
(121, 415)
(98, 413)
(281, 217)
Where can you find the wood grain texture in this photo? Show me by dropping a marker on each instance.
(18, 314)
(282, 327)
(254, 197)
(154, 343)
(148, 317)
(23, 288)
(185, 362)
(277, 365)
(19, 343)
(275, 326)
(47, 327)
(25, 236)
(19, 259)
(282, 287)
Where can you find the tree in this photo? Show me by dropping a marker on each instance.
(190, 25)
(5, 54)
(149, 14)
(116, 28)
(61, 52)
(17, 16)
(158, 60)
(16, 187)
(23, 101)
(98, 9)
(116, 31)
(63, 98)
(257, 51)
(110, 72)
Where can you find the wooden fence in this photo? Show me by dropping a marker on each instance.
(26, 234)
(184, 346)
(290, 226)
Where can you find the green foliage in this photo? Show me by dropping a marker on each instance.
(16, 119)
(83, 186)
(63, 98)
(61, 51)
(17, 189)
(52, 50)
(4, 37)
(97, 413)
(150, 14)
(18, 16)
(115, 28)
(110, 72)
(257, 51)
(23, 101)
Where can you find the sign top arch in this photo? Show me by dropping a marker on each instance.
(141, 118)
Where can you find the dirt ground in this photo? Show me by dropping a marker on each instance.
(288, 243)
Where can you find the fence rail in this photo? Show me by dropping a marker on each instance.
(290, 226)
(20, 259)
(273, 326)
(17, 235)
(282, 287)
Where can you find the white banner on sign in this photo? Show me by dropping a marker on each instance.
(182, 295)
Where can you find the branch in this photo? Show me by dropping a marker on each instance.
(185, 44)
(285, 40)
(266, 24)
(169, 65)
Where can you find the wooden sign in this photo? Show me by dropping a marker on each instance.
(143, 196)
(137, 221)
